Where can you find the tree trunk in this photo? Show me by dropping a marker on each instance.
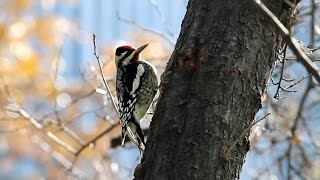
(210, 91)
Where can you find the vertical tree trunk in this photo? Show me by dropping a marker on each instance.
(210, 91)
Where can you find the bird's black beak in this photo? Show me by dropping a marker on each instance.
(137, 51)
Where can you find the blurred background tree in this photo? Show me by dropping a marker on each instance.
(53, 102)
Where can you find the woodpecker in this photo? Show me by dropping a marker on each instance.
(136, 86)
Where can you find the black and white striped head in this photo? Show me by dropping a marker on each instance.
(126, 54)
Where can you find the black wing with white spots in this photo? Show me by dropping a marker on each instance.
(128, 85)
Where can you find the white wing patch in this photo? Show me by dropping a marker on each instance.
(136, 81)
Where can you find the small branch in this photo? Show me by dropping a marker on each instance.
(130, 22)
(74, 101)
(96, 138)
(14, 130)
(72, 134)
(53, 137)
(54, 93)
(313, 23)
(102, 75)
(303, 100)
(57, 156)
(77, 153)
(163, 19)
(283, 61)
(304, 77)
(244, 132)
(90, 143)
(304, 59)
(289, 3)
(55, 77)
(18, 109)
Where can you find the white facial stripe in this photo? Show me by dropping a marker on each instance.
(136, 81)
(127, 59)
(119, 57)
(122, 54)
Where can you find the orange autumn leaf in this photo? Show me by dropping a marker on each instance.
(29, 66)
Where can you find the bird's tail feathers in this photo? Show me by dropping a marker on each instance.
(136, 139)
(123, 135)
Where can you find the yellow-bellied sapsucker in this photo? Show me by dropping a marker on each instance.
(136, 86)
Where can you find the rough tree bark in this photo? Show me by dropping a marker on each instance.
(210, 91)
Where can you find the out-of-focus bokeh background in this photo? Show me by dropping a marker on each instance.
(53, 101)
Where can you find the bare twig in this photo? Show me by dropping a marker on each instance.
(294, 137)
(74, 101)
(299, 81)
(130, 22)
(289, 3)
(303, 100)
(102, 75)
(40, 127)
(90, 143)
(162, 17)
(283, 61)
(13, 130)
(54, 93)
(244, 132)
(304, 59)
(57, 156)
(72, 134)
(313, 22)
(18, 109)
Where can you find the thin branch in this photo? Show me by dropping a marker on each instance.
(283, 61)
(304, 77)
(60, 142)
(40, 127)
(102, 75)
(13, 130)
(18, 109)
(55, 77)
(304, 97)
(162, 17)
(45, 116)
(293, 137)
(130, 22)
(289, 3)
(96, 138)
(313, 22)
(244, 132)
(72, 134)
(57, 156)
(90, 143)
(304, 59)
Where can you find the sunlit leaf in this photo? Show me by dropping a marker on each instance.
(29, 66)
